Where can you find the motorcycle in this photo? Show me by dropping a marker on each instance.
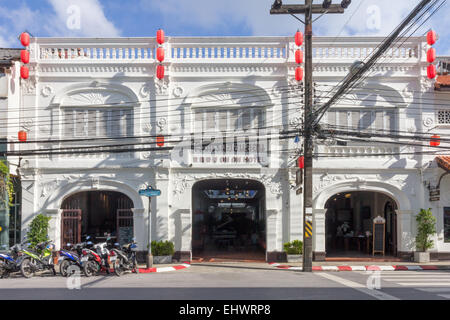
(10, 262)
(72, 257)
(96, 259)
(35, 261)
(125, 258)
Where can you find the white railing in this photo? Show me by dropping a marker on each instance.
(258, 49)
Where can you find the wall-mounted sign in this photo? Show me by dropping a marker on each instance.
(150, 192)
(435, 194)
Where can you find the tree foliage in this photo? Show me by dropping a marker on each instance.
(38, 229)
(426, 227)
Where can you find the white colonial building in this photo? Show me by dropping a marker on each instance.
(94, 109)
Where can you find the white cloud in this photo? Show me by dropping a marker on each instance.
(39, 22)
(80, 18)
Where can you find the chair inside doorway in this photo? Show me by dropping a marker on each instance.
(99, 214)
(349, 225)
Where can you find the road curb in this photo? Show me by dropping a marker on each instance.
(184, 265)
(365, 268)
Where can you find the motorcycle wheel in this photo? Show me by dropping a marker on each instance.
(65, 264)
(118, 267)
(90, 268)
(135, 265)
(26, 268)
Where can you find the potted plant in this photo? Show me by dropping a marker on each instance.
(294, 250)
(162, 251)
(426, 227)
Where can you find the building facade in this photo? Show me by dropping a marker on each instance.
(96, 112)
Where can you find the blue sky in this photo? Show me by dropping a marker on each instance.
(141, 18)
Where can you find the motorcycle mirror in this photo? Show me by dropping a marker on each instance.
(88, 237)
(89, 242)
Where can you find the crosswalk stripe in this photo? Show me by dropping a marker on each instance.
(414, 279)
(440, 284)
(446, 296)
(435, 290)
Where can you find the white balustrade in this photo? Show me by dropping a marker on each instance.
(250, 49)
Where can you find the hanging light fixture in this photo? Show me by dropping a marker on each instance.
(22, 136)
(298, 38)
(298, 56)
(24, 56)
(299, 74)
(431, 55)
(431, 37)
(431, 71)
(24, 72)
(25, 39)
(435, 140)
(160, 36)
(160, 72)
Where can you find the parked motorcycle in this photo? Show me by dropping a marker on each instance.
(72, 257)
(96, 258)
(11, 261)
(35, 261)
(125, 258)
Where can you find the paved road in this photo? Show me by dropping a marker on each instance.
(236, 282)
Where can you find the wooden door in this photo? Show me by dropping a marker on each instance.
(70, 226)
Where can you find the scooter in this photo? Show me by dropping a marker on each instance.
(96, 259)
(10, 262)
(125, 258)
(34, 261)
(72, 257)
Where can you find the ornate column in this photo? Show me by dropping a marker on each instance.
(319, 236)
(405, 233)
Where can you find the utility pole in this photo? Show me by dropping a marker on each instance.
(308, 9)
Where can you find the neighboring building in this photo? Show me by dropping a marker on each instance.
(242, 88)
(9, 217)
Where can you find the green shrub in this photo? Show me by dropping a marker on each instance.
(426, 227)
(294, 247)
(38, 229)
(162, 248)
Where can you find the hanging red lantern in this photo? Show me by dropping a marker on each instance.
(160, 54)
(299, 56)
(160, 36)
(24, 72)
(431, 37)
(431, 71)
(160, 71)
(431, 55)
(22, 135)
(25, 56)
(160, 141)
(435, 140)
(301, 162)
(298, 38)
(25, 39)
(299, 74)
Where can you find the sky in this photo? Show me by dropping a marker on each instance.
(141, 18)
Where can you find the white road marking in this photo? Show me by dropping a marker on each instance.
(358, 286)
(429, 284)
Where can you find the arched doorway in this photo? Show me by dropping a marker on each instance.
(349, 224)
(228, 220)
(98, 214)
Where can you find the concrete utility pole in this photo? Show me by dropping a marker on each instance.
(308, 9)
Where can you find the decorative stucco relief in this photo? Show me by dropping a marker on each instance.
(46, 91)
(162, 87)
(273, 184)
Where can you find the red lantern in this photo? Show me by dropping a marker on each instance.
(160, 71)
(431, 55)
(435, 140)
(160, 141)
(298, 38)
(25, 56)
(160, 36)
(160, 54)
(431, 71)
(25, 39)
(301, 162)
(22, 136)
(299, 56)
(431, 37)
(24, 72)
(299, 74)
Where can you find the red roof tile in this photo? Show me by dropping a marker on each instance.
(443, 162)
(442, 81)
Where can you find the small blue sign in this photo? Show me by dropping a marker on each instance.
(150, 192)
